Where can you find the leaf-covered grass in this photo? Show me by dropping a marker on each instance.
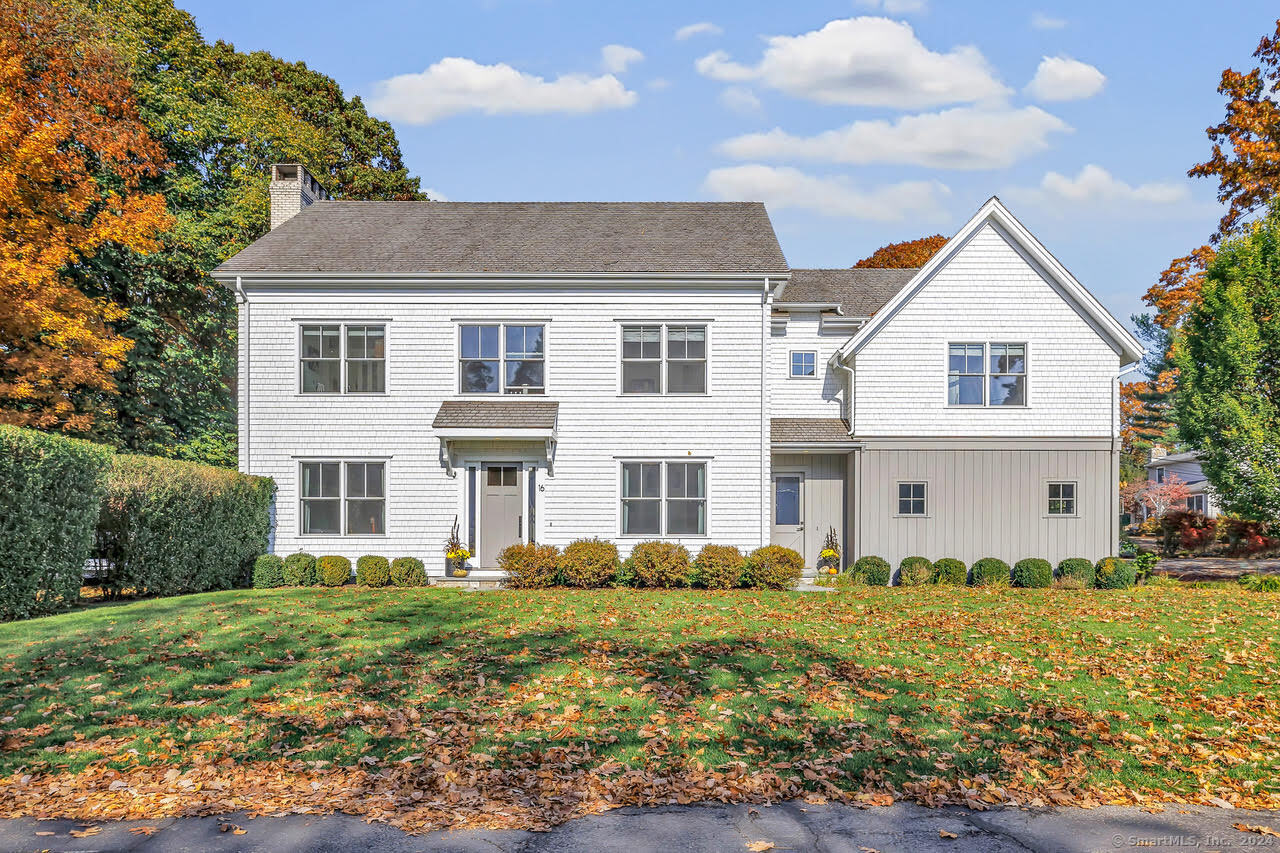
(430, 707)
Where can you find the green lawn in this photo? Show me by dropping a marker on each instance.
(430, 707)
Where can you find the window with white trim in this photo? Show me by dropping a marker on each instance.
(328, 351)
(804, 365)
(662, 358)
(1062, 498)
(1196, 503)
(986, 374)
(912, 498)
(502, 358)
(337, 497)
(659, 502)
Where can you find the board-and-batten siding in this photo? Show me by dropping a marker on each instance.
(818, 397)
(596, 424)
(823, 504)
(985, 503)
(988, 293)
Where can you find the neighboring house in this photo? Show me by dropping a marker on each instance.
(548, 371)
(1163, 465)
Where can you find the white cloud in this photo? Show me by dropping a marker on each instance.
(1095, 186)
(702, 28)
(1041, 21)
(659, 83)
(457, 85)
(1061, 78)
(616, 57)
(435, 195)
(864, 62)
(895, 7)
(958, 138)
(781, 187)
(741, 100)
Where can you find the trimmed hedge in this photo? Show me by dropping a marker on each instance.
(718, 567)
(873, 571)
(332, 570)
(914, 571)
(530, 566)
(1114, 573)
(300, 569)
(1077, 568)
(170, 527)
(408, 571)
(990, 571)
(661, 565)
(268, 572)
(949, 572)
(773, 567)
(589, 563)
(1032, 572)
(50, 490)
(373, 571)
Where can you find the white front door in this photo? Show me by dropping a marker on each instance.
(501, 514)
(788, 510)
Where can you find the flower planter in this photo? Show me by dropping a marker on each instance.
(455, 568)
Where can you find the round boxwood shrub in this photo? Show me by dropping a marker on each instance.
(873, 571)
(332, 570)
(914, 571)
(949, 572)
(530, 566)
(990, 571)
(1032, 572)
(589, 563)
(1077, 569)
(300, 569)
(373, 571)
(718, 567)
(660, 564)
(773, 567)
(268, 572)
(407, 571)
(1114, 573)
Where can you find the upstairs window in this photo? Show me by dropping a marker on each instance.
(804, 365)
(502, 358)
(987, 374)
(330, 351)
(658, 359)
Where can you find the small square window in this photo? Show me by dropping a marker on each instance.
(911, 498)
(804, 364)
(1062, 499)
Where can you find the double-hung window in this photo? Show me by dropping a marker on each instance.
(330, 496)
(330, 351)
(664, 358)
(987, 374)
(502, 358)
(654, 504)
(803, 365)
(1062, 499)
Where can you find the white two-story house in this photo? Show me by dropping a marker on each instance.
(549, 371)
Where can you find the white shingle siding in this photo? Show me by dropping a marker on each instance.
(596, 424)
(818, 397)
(989, 292)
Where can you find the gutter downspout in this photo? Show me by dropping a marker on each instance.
(766, 450)
(242, 300)
(847, 553)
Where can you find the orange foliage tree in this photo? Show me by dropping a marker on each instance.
(909, 254)
(72, 154)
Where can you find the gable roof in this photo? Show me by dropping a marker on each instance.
(859, 292)
(404, 237)
(994, 212)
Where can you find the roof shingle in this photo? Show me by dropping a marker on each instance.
(800, 430)
(861, 292)
(496, 414)
(517, 237)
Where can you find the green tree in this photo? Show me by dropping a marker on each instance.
(1228, 358)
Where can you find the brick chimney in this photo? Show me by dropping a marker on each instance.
(1158, 451)
(293, 188)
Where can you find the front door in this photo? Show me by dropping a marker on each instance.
(501, 523)
(788, 511)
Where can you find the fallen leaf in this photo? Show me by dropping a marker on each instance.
(942, 833)
(86, 832)
(1255, 827)
(759, 846)
(145, 830)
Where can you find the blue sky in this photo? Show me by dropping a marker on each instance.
(859, 122)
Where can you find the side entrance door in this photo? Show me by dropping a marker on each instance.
(501, 523)
(788, 510)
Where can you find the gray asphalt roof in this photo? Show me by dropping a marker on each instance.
(496, 414)
(517, 237)
(793, 430)
(861, 292)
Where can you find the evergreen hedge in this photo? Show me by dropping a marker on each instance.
(1032, 572)
(872, 570)
(990, 571)
(1077, 569)
(170, 527)
(50, 488)
(949, 572)
(268, 572)
(408, 571)
(373, 571)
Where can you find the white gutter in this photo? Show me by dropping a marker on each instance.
(318, 277)
(809, 306)
(242, 299)
(766, 425)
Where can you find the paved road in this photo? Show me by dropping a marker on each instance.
(791, 826)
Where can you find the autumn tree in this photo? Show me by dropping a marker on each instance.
(908, 254)
(73, 156)
(1228, 358)
(1157, 497)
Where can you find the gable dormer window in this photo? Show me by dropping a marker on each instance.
(338, 358)
(980, 374)
(502, 358)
